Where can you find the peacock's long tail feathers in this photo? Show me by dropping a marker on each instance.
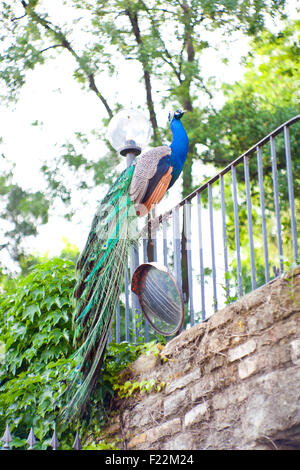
(100, 273)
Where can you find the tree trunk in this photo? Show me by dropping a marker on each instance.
(187, 169)
(133, 17)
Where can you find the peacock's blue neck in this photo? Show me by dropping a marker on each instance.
(179, 147)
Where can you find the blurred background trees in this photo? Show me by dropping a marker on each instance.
(167, 47)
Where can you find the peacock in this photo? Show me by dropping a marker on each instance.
(101, 265)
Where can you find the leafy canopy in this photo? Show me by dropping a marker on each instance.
(267, 96)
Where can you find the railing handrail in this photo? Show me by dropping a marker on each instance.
(233, 269)
(157, 220)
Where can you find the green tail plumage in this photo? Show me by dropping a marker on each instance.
(100, 272)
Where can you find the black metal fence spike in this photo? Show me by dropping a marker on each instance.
(6, 438)
(77, 444)
(54, 441)
(31, 440)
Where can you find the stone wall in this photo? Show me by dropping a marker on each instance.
(232, 382)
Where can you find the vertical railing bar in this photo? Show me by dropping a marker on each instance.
(118, 331)
(250, 225)
(153, 234)
(276, 201)
(263, 213)
(202, 281)
(165, 242)
(225, 248)
(154, 248)
(135, 306)
(145, 260)
(291, 190)
(187, 209)
(77, 443)
(127, 317)
(145, 256)
(176, 247)
(6, 438)
(237, 231)
(54, 440)
(31, 440)
(132, 297)
(212, 242)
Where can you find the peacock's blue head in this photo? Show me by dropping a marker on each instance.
(176, 115)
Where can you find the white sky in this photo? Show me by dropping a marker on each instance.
(52, 97)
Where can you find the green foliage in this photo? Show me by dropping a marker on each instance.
(267, 96)
(137, 32)
(69, 252)
(117, 358)
(71, 170)
(35, 312)
(21, 212)
(130, 388)
(36, 358)
(35, 327)
(102, 445)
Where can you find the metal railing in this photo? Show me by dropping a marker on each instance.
(240, 228)
(33, 443)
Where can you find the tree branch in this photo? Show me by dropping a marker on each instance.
(168, 56)
(147, 79)
(61, 37)
(207, 91)
(19, 17)
(95, 89)
(51, 47)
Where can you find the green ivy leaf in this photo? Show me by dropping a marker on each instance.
(31, 310)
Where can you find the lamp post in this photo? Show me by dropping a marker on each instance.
(128, 132)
